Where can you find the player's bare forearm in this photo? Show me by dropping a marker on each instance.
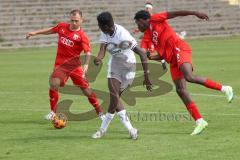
(87, 58)
(45, 31)
(187, 13)
(86, 61)
(101, 54)
(143, 58)
(154, 57)
(102, 51)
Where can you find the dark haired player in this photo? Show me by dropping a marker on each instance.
(176, 52)
(121, 69)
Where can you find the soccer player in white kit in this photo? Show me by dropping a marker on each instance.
(121, 69)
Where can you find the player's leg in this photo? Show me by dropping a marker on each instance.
(57, 79)
(54, 84)
(114, 89)
(83, 84)
(122, 113)
(127, 79)
(53, 96)
(190, 105)
(181, 89)
(186, 69)
(92, 98)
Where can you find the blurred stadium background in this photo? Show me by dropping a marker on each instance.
(24, 86)
(21, 16)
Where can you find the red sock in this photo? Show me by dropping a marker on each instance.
(192, 109)
(213, 85)
(53, 94)
(93, 100)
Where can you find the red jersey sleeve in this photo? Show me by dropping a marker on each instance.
(159, 17)
(146, 38)
(85, 43)
(57, 27)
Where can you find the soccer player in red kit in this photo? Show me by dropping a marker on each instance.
(146, 43)
(71, 42)
(177, 52)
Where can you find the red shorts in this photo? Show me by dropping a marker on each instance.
(180, 56)
(76, 75)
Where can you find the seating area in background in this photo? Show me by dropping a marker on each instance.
(21, 16)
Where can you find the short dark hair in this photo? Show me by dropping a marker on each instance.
(76, 11)
(142, 15)
(105, 18)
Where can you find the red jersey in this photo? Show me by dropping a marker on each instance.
(70, 44)
(146, 42)
(165, 40)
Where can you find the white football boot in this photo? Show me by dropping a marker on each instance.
(228, 92)
(49, 116)
(99, 134)
(133, 133)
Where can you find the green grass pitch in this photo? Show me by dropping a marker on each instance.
(24, 101)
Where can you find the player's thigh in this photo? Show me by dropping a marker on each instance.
(114, 86)
(176, 74)
(78, 80)
(181, 59)
(114, 90)
(180, 84)
(187, 70)
(58, 78)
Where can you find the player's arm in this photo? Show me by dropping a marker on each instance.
(101, 54)
(187, 13)
(155, 57)
(45, 31)
(143, 58)
(86, 63)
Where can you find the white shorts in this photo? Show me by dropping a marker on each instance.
(124, 73)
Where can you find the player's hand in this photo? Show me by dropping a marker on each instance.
(30, 34)
(147, 83)
(148, 54)
(202, 16)
(97, 61)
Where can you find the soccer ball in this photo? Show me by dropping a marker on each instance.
(59, 121)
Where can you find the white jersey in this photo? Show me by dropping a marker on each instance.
(122, 62)
(120, 45)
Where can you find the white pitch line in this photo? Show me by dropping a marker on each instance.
(194, 94)
(133, 112)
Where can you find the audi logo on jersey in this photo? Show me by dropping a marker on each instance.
(67, 42)
(155, 37)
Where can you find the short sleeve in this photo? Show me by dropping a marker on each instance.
(103, 38)
(57, 27)
(126, 36)
(85, 43)
(159, 17)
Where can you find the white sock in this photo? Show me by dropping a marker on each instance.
(125, 120)
(106, 121)
(223, 89)
(163, 61)
(198, 121)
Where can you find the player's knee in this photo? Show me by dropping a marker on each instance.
(86, 91)
(111, 110)
(189, 78)
(54, 83)
(180, 91)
